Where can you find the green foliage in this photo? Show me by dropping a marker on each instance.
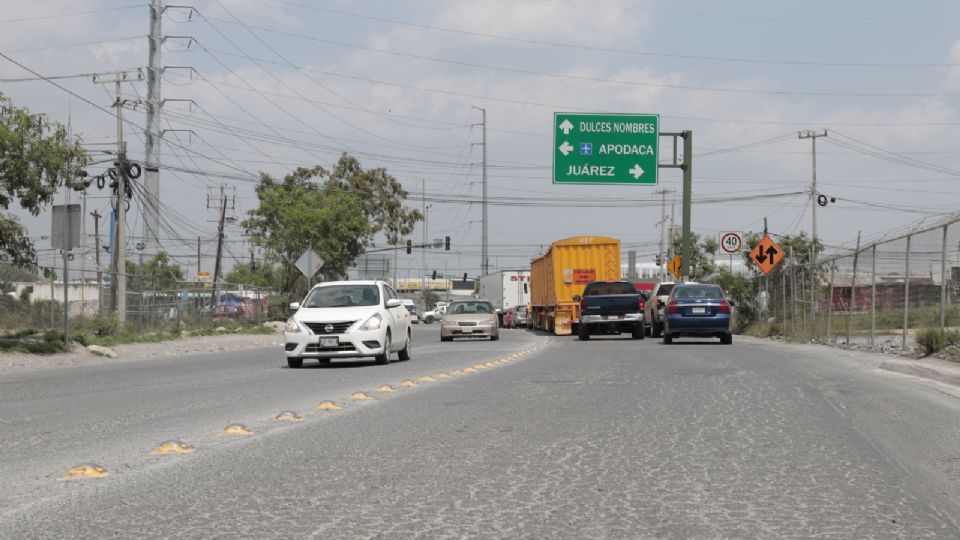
(48, 342)
(700, 266)
(430, 299)
(158, 273)
(382, 197)
(265, 275)
(336, 214)
(933, 340)
(9, 273)
(34, 157)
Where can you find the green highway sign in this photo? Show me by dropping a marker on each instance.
(605, 148)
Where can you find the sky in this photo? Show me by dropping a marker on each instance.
(278, 84)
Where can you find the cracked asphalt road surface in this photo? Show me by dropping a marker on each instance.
(611, 438)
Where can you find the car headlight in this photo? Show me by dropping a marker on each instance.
(373, 323)
(292, 327)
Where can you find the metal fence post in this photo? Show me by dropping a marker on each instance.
(793, 293)
(906, 299)
(873, 298)
(853, 289)
(943, 281)
(830, 303)
(783, 298)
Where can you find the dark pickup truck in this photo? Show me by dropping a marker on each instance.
(610, 307)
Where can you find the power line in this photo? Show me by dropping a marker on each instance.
(71, 14)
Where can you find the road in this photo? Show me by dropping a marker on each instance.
(611, 438)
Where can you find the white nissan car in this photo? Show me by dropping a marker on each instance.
(346, 319)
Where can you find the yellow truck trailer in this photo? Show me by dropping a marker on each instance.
(562, 273)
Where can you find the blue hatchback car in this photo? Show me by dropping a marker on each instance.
(697, 310)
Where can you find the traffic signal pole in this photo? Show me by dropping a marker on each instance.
(687, 166)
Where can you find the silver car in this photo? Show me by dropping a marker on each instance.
(470, 318)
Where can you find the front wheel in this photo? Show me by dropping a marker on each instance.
(384, 358)
(639, 332)
(428, 320)
(405, 353)
(295, 363)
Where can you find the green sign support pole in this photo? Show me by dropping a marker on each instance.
(687, 193)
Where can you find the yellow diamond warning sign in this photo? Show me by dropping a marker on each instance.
(675, 265)
(766, 255)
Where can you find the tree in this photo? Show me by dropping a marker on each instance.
(265, 275)
(34, 156)
(297, 214)
(710, 245)
(700, 266)
(382, 197)
(158, 273)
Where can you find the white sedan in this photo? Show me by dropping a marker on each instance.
(346, 319)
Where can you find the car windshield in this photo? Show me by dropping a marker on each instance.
(698, 292)
(333, 296)
(665, 290)
(463, 308)
(411, 309)
(522, 309)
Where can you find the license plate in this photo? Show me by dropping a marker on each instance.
(467, 330)
(329, 342)
(611, 317)
(699, 310)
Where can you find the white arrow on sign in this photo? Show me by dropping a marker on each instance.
(636, 171)
(565, 148)
(566, 126)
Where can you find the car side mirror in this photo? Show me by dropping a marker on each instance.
(576, 298)
(294, 305)
(393, 302)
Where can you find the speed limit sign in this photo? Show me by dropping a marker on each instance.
(731, 242)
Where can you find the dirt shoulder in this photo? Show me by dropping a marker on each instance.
(134, 352)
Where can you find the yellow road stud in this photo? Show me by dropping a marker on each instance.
(442, 376)
(172, 447)
(236, 429)
(85, 470)
(480, 366)
(469, 370)
(328, 406)
(407, 383)
(456, 372)
(385, 389)
(289, 416)
(359, 396)
(427, 378)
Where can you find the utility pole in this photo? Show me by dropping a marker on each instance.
(484, 250)
(813, 136)
(216, 268)
(663, 224)
(151, 207)
(118, 282)
(198, 255)
(423, 249)
(687, 247)
(96, 245)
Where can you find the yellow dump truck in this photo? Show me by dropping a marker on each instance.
(562, 273)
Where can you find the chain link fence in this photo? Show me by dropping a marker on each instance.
(882, 295)
(40, 306)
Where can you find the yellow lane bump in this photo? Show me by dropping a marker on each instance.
(85, 470)
(442, 376)
(289, 416)
(480, 366)
(407, 383)
(328, 406)
(456, 372)
(427, 378)
(469, 370)
(385, 389)
(490, 365)
(357, 396)
(172, 447)
(236, 429)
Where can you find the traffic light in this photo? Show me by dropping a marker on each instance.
(464, 276)
(434, 276)
(446, 243)
(657, 259)
(409, 247)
